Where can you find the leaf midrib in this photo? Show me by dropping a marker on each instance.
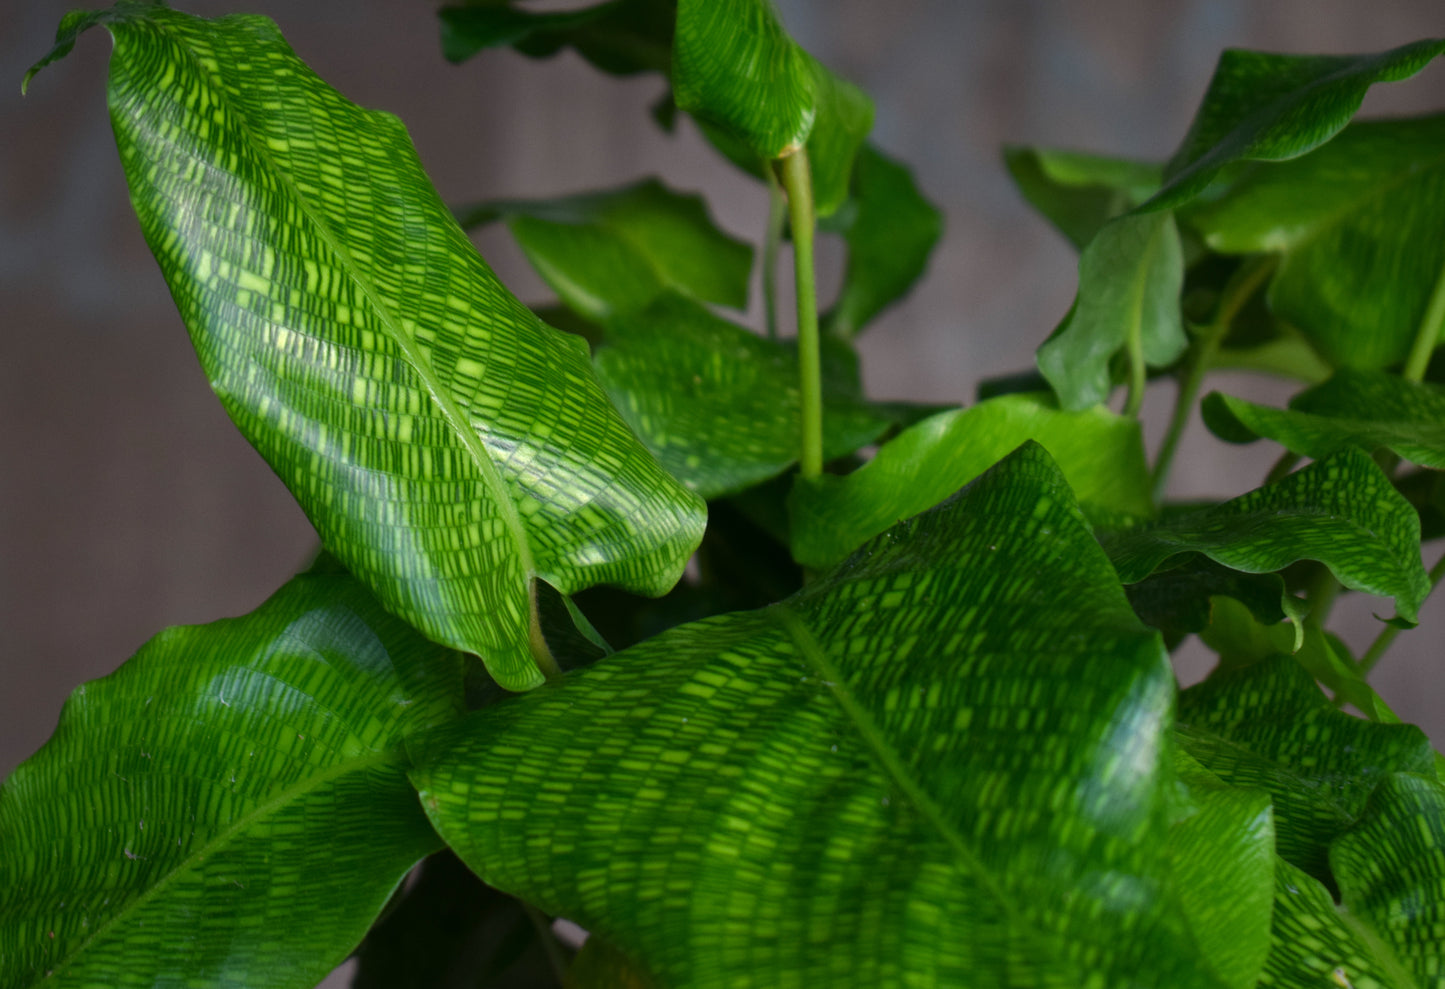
(415, 359)
(261, 810)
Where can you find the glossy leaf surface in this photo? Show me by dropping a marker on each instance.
(734, 66)
(890, 229)
(1356, 225)
(878, 781)
(1371, 410)
(1342, 512)
(1078, 193)
(448, 446)
(1100, 453)
(1129, 281)
(231, 806)
(718, 404)
(1268, 727)
(622, 37)
(616, 251)
(1263, 106)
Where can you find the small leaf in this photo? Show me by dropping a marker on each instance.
(1263, 106)
(1356, 226)
(1342, 511)
(1371, 410)
(734, 66)
(616, 251)
(1100, 453)
(1079, 193)
(230, 807)
(449, 447)
(1391, 869)
(1129, 281)
(890, 231)
(717, 404)
(1180, 599)
(622, 37)
(1268, 726)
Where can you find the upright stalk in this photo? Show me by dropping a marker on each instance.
(777, 215)
(798, 181)
(1428, 335)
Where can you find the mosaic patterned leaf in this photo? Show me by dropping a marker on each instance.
(944, 763)
(230, 807)
(448, 446)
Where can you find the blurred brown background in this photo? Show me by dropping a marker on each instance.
(127, 500)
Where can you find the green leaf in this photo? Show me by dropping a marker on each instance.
(616, 251)
(1182, 598)
(1315, 944)
(1222, 849)
(1100, 453)
(734, 66)
(448, 446)
(1268, 727)
(890, 230)
(1356, 226)
(623, 37)
(230, 807)
(1371, 410)
(1078, 193)
(1129, 281)
(718, 404)
(944, 763)
(1341, 511)
(1263, 106)
(1391, 869)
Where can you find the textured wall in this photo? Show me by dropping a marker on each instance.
(128, 502)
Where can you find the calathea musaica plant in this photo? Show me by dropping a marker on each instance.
(910, 720)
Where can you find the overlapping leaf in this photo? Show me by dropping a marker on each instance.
(1371, 410)
(228, 808)
(448, 446)
(1181, 597)
(1357, 226)
(734, 66)
(1341, 511)
(1263, 106)
(1078, 193)
(1100, 453)
(616, 251)
(944, 763)
(1130, 275)
(717, 404)
(890, 230)
(1268, 727)
(621, 37)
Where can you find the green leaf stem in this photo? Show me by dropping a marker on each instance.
(231, 806)
(448, 446)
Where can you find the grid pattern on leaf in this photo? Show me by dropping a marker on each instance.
(169, 830)
(447, 445)
(943, 764)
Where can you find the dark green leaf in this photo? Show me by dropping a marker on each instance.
(448, 446)
(616, 251)
(1222, 849)
(945, 763)
(1342, 511)
(1315, 945)
(1079, 193)
(1266, 107)
(734, 66)
(1268, 727)
(1371, 410)
(1391, 869)
(717, 404)
(1356, 225)
(1100, 453)
(890, 230)
(1177, 600)
(231, 806)
(1129, 281)
(622, 37)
